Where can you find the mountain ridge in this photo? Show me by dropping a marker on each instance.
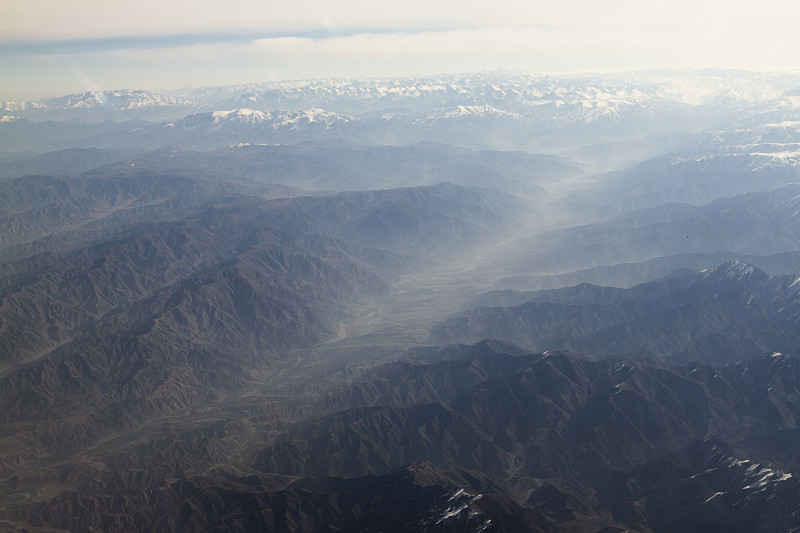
(681, 317)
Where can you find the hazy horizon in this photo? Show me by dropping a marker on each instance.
(55, 48)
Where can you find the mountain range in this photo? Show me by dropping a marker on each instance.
(583, 445)
(729, 313)
(489, 111)
(488, 302)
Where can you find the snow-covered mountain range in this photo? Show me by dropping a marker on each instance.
(756, 112)
(590, 97)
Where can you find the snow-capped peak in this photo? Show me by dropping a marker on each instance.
(732, 271)
(242, 115)
(462, 111)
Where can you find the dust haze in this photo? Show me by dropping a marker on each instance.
(457, 302)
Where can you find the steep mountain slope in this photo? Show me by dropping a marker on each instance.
(704, 488)
(761, 156)
(732, 312)
(71, 162)
(150, 346)
(443, 219)
(724, 163)
(417, 499)
(93, 281)
(45, 213)
(176, 313)
(549, 419)
(630, 274)
(549, 442)
(563, 416)
(342, 167)
(58, 213)
(758, 223)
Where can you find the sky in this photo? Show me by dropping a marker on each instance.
(58, 47)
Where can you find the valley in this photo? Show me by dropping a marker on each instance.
(487, 303)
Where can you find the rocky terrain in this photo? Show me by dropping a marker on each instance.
(726, 314)
(494, 302)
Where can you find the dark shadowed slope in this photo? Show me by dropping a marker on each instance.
(178, 313)
(729, 313)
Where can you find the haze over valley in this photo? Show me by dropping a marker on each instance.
(456, 302)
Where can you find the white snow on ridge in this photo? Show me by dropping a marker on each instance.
(791, 124)
(310, 116)
(241, 115)
(462, 111)
(607, 95)
(752, 157)
(731, 271)
(17, 107)
(789, 156)
(446, 515)
(250, 118)
(777, 159)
